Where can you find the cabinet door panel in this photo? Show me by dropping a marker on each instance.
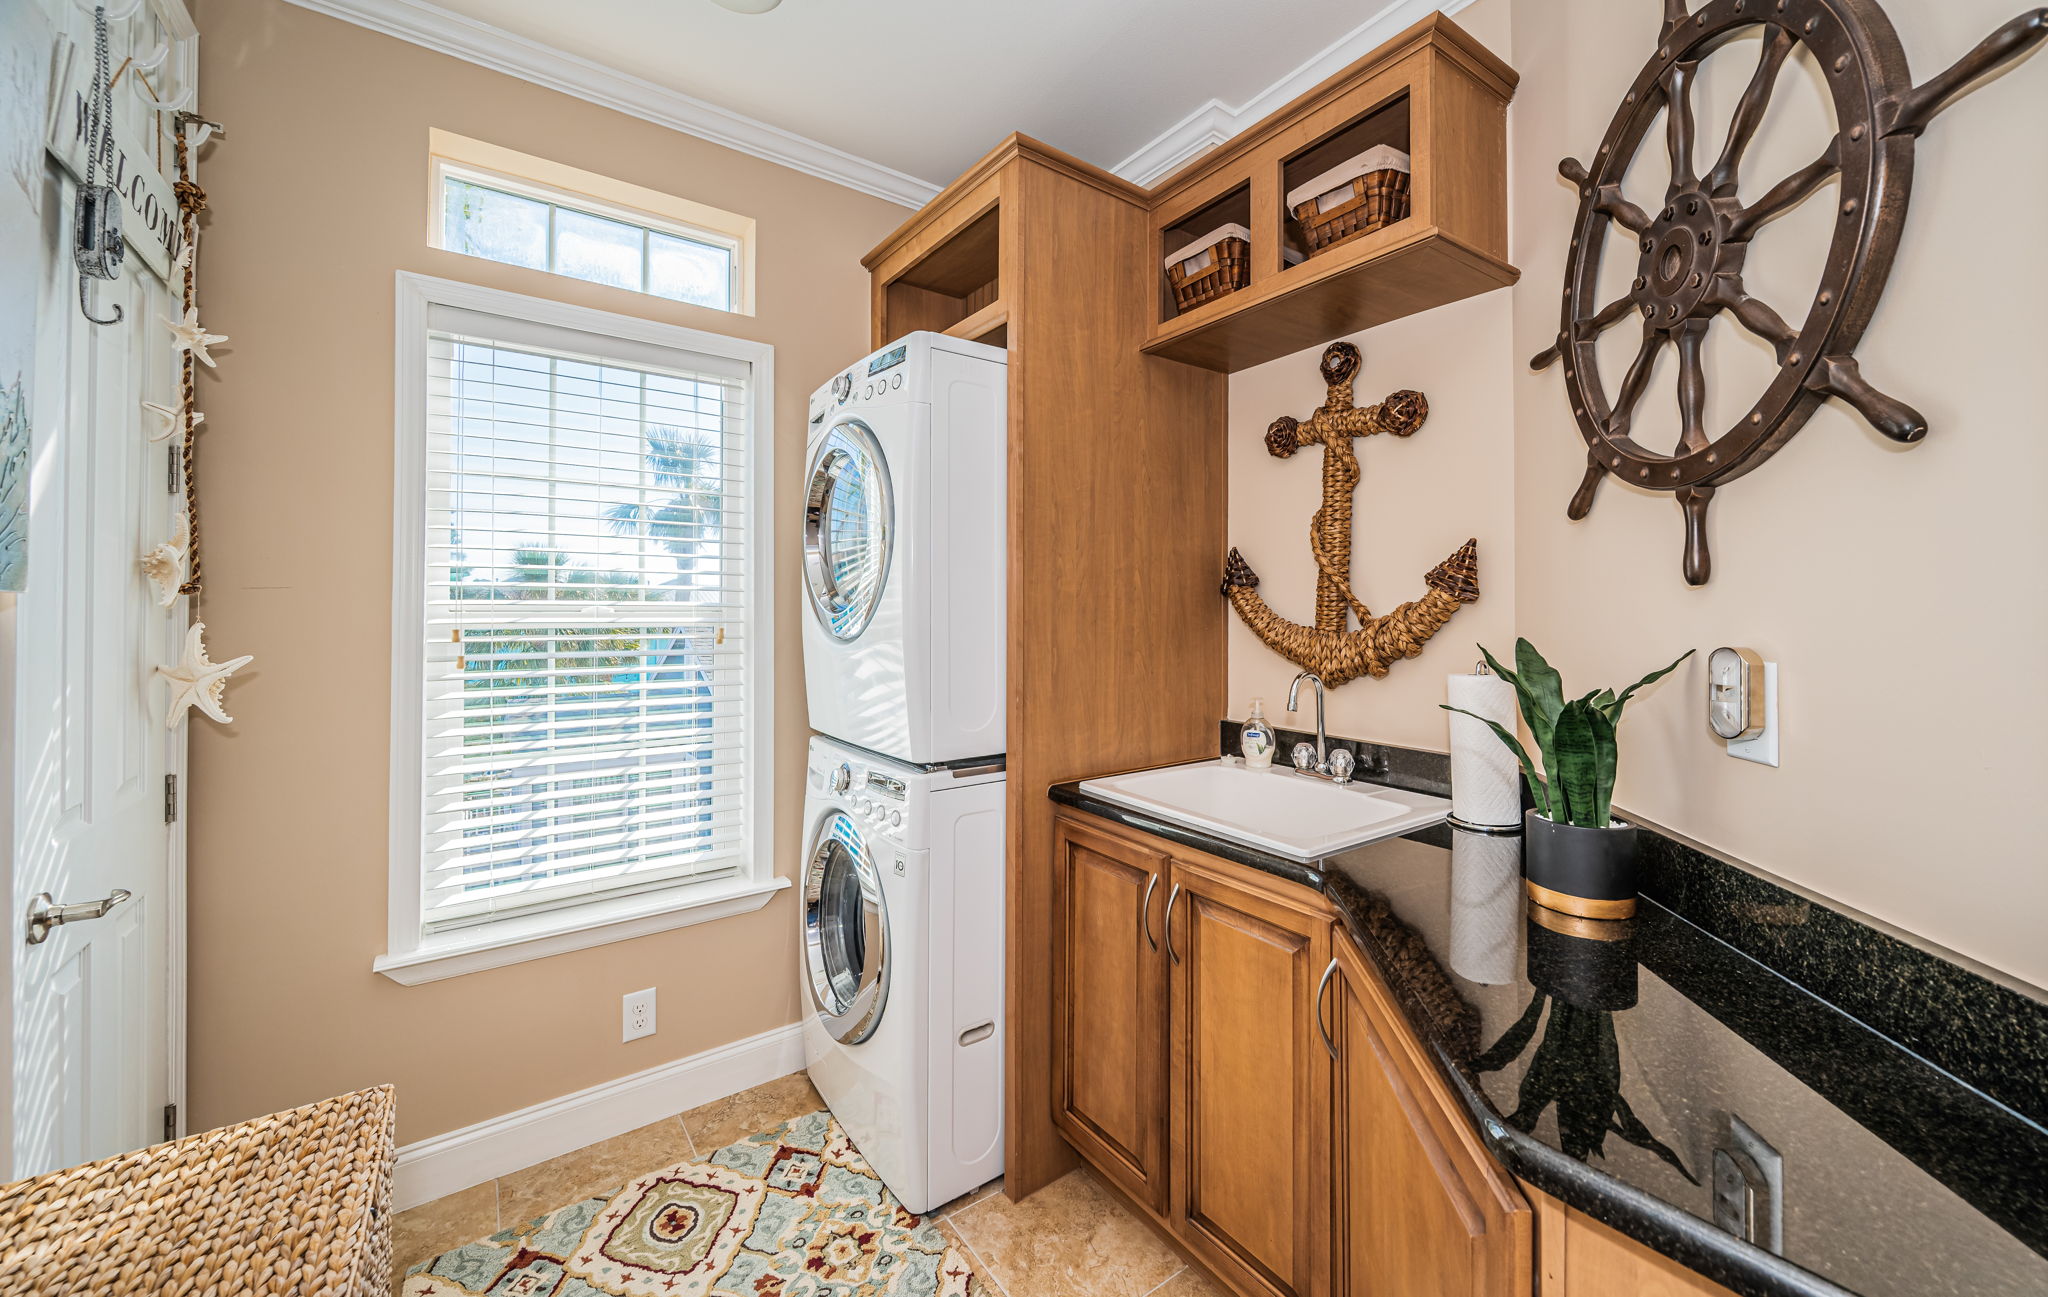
(1250, 1085)
(1109, 989)
(1419, 1210)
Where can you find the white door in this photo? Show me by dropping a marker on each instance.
(97, 1005)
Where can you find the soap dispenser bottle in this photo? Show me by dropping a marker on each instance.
(1256, 739)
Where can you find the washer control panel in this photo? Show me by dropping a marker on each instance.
(873, 378)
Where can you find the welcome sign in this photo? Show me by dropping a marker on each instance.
(150, 223)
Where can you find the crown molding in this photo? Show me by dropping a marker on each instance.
(1215, 121)
(435, 28)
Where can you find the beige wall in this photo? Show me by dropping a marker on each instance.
(1898, 588)
(1418, 499)
(319, 195)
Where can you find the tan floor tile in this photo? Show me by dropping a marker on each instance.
(1190, 1282)
(1070, 1239)
(969, 1198)
(750, 1112)
(572, 1177)
(432, 1228)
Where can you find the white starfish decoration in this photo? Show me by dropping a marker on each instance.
(165, 565)
(185, 255)
(170, 419)
(196, 682)
(189, 335)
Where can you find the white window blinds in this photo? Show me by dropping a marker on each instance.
(584, 710)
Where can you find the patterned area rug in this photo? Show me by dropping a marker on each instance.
(794, 1212)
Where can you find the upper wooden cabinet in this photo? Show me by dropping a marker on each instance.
(1432, 92)
(1419, 1208)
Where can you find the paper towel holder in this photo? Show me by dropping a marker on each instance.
(1480, 668)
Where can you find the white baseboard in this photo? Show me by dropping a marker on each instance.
(436, 1167)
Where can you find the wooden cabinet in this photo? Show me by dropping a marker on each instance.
(1432, 92)
(1115, 645)
(1251, 1080)
(1419, 1208)
(1583, 1258)
(1110, 997)
(1186, 1063)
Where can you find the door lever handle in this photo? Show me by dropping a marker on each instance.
(44, 915)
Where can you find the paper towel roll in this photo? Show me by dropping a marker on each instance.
(1484, 784)
(1486, 906)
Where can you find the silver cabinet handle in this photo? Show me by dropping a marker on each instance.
(1145, 911)
(43, 915)
(1322, 1030)
(1171, 898)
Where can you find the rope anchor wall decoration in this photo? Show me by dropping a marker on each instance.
(1332, 648)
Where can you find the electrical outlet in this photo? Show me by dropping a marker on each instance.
(1749, 1187)
(637, 1015)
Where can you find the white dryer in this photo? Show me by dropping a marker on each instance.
(903, 548)
(902, 966)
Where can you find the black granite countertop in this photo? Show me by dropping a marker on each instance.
(1605, 1063)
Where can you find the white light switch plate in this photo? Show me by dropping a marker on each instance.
(1763, 749)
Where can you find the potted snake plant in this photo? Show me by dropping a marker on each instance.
(1575, 857)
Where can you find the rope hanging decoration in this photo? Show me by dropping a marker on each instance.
(1332, 648)
(191, 202)
(195, 681)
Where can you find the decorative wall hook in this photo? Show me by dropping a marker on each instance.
(97, 248)
(1332, 648)
(1691, 252)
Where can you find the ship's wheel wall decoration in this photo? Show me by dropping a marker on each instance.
(1691, 252)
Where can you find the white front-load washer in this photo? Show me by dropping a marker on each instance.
(903, 546)
(902, 964)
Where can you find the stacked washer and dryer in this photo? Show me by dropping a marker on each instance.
(903, 545)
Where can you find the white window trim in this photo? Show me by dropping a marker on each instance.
(496, 167)
(412, 956)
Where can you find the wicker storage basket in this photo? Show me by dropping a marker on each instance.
(1362, 195)
(1215, 265)
(296, 1204)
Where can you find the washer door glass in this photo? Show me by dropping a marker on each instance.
(848, 519)
(846, 931)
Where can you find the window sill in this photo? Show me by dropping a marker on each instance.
(537, 936)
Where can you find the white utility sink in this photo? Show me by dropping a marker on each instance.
(1278, 810)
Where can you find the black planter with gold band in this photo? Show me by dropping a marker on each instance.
(1590, 873)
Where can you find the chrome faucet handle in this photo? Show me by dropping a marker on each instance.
(1341, 766)
(1304, 756)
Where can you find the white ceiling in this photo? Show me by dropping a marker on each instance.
(926, 86)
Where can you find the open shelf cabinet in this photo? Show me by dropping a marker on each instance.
(1435, 94)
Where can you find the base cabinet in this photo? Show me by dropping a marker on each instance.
(1580, 1257)
(1110, 1003)
(1251, 1080)
(1225, 1055)
(1418, 1208)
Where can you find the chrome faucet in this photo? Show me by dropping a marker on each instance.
(1335, 766)
(1322, 753)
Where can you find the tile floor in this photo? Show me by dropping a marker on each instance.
(1073, 1238)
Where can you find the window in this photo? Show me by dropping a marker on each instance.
(524, 211)
(581, 663)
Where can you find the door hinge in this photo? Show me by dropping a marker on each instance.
(171, 459)
(170, 1122)
(170, 799)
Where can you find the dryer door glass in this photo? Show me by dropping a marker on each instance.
(846, 931)
(848, 519)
